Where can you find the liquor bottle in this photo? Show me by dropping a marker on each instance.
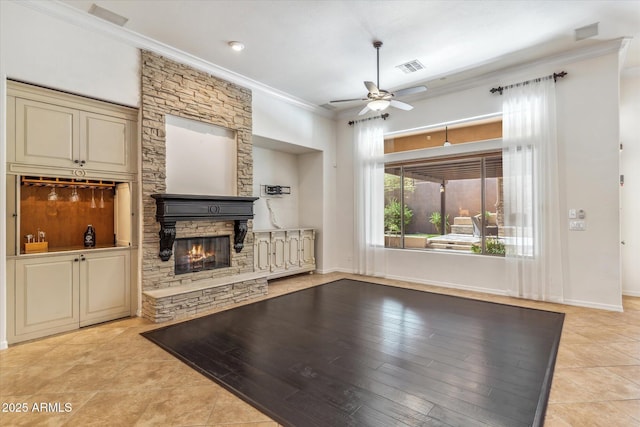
(89, 237)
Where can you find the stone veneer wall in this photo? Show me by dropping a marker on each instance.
(172, 88)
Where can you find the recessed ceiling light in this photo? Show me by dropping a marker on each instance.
(107, 15)
(237, 46)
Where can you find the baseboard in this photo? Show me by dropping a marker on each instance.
(449, 285)
(589, 304)
(335, 270)
(577, 303)
(631, 293)
(4, 345)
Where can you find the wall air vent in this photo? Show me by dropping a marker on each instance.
(586, 32)
(411, 66)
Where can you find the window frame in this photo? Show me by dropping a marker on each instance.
(445, 154)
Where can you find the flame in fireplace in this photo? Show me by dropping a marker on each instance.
(197, 254)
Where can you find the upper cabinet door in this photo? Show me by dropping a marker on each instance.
(105, 142)
(46, 134)
(68, 135)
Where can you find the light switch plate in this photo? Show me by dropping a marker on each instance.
(573, 214)
(578, 225)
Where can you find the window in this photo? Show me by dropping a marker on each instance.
(448, 204)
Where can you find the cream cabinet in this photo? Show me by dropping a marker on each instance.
(307, 248)
(47, 296)
(84, 138)
(57, 293)
(104, 286)
(279, 252)
(284, 252)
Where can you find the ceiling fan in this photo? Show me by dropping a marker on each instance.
(380, 99)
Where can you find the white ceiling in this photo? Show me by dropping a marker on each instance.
(319, 50)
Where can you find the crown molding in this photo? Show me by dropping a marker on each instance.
(556, 60)
(72, 15)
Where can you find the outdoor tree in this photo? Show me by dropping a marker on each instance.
(393, 216)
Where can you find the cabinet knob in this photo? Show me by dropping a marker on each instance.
(76, 260)
(76, 161)
(82, 162)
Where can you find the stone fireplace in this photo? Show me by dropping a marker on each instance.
(170, 88)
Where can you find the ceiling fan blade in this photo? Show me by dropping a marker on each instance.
(410, 90)
(349, 100)
(372, 88)
(401, 105)
(365, 110)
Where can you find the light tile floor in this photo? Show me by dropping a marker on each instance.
(110, 375)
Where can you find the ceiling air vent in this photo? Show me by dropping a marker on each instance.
(411, 66)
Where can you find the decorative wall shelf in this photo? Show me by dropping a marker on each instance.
(171, 208)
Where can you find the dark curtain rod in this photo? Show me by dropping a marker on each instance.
(381, 116)
(555, 76)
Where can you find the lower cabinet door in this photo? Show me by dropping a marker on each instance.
(104, 287)
(46, 296)
(307, 250)
(278, 251)
(293, 249)
(262, 251)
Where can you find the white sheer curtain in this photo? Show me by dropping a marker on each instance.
(368, 167)
(534, 253)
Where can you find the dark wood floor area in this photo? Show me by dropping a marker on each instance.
(351, 353)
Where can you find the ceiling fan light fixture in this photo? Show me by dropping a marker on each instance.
(379, 104)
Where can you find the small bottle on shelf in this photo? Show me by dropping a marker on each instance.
(89, 237)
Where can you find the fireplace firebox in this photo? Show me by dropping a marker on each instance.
(202, 253)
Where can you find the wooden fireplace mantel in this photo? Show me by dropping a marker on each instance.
(171, 208)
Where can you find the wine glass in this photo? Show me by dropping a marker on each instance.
(52, 196)
(52, 202)
(74, 195)
(93, 199)
(101, 198)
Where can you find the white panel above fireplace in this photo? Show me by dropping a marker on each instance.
(201, 158)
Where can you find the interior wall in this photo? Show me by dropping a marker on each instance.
(271, 167)
(201, 158)
(280, 121)
(588, 125)
(63, 56)
(630, 192)
(587, 103)
(310, 204)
